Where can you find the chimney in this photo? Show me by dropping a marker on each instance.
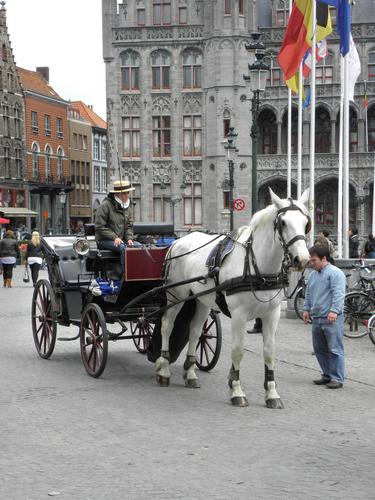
(44, 72)
(90, 106)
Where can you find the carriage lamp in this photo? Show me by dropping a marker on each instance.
(62, 198)
(256, 81)
(231, 149)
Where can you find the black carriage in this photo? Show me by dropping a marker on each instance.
(81, 291)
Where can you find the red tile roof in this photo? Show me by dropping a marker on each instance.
(34, 82)
(89, 114)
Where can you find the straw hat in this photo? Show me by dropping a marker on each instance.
(121, 187)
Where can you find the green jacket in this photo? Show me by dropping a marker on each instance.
(112, 221)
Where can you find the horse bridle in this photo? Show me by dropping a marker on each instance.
(277, 223)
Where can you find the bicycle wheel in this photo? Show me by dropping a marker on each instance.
(371, 329)
(299, 300)
(358, 308)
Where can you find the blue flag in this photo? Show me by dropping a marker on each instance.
(306, 102)
(343, 22)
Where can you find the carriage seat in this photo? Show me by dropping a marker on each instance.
(70, 264)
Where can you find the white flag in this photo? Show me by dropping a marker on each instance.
(354, 64)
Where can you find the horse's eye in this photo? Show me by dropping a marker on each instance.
(283, 222)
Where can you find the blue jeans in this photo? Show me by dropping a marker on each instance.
(120, 249)
(329, 347)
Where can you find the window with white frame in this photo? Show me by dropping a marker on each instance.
(104, 180)
(274, 74)
(182, 15)
(130, 62)
(17, 123)
(96, 148)
(161, 12)
(193, 204)
(161, 136)
(47, 159)
(131, 137)
(192, 130)
(161, 67)
(103, 155)
(84, 142)
(192, 69)
(161, 203)
(324, 69)
(60, 155)
(141, 17)
(59, 128)
(47, 125)
(35, 161)
(34, 121)
(6, 131)
(97, 179)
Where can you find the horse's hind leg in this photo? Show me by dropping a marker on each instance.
(196, 324)
(270, 323)
(163, 373)
(238, 397)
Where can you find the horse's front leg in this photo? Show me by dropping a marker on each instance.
(163, 373)
(196, 325)
(237, 397)
(270, 323)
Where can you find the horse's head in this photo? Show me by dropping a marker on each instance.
(292, 223)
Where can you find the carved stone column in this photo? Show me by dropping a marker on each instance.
(361, 135)
(306, 137)
(279, 125)
(333, 136)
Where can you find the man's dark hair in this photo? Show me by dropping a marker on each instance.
(354, 230)
(319, 251)
(326, 233)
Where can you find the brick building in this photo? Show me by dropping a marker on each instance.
(99, 173)
(13, 186)
(47, 165)
(80, 155)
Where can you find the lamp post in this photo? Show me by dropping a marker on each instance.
(62, 197)
(231, 149)
(172, 201)
(256, 82)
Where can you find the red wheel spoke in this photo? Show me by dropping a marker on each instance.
(90, 356)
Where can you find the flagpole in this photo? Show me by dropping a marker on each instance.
(346, 160)
(373, 200)
(289, 137)
(339, 199)
(366, 121)
(299, 143)
(312, 126)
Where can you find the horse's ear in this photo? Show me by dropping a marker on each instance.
(275, 199)
(305, 198)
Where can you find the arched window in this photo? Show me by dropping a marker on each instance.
(322, 131)
(130, 62)
(371, 66)
(47, 156)
(60, 155)
(161, 68)
(226, 122)
(324, 69)
(284, 132)
(192, 69)
(267, 132)
(371, 128)
(35, 160)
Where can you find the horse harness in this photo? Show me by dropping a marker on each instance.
(255, 282)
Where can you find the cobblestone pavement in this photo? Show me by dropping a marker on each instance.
(122, 437)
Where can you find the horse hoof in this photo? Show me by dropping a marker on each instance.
(162, 381)
(275, 404)
(192, 383)
(240, 401)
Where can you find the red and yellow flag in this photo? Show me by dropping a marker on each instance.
(298, 37)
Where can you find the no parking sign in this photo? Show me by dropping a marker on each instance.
(238, 204)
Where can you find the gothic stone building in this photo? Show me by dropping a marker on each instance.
(13, 188)
(174, 85)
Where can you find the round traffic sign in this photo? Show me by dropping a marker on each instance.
(238, 204)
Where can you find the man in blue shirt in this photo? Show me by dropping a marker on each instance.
(324, 306)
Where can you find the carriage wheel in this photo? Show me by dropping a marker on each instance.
(209, 344)
(43, 318)
(93, 335)
(358, 308)
(143, 330)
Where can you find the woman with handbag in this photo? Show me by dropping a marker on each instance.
(34, 256)
(9, 251)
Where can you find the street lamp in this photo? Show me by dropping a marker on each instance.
(172, 201)
(62, 197)
(231, 149)
(256, 82)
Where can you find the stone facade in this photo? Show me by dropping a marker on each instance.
(218, 30)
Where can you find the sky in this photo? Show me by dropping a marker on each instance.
(65, 35)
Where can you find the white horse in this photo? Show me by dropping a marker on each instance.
(275, 234)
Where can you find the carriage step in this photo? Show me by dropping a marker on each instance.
(67, 339)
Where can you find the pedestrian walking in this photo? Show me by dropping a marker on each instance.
(9, 251)
(353, 243)
(34, 256)
(369, 248)
(323, 240)
(324, 305)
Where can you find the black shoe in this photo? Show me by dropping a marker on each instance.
(254, 330)
(322, 381)
(334, 385)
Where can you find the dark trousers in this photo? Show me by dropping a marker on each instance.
(120, 249)
(8, 271)
(34, 268)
